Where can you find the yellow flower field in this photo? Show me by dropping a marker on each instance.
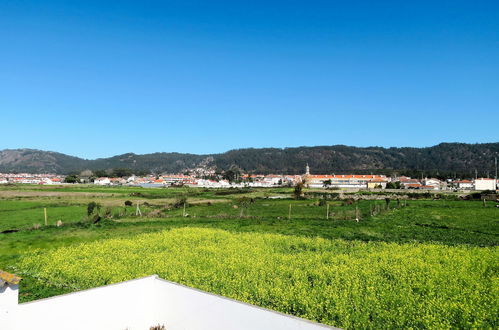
(348, 284)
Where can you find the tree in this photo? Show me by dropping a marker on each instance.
(100, 173)
(121, 172)
(298, 191)
(91, 207)
(393, 185)
(233, 174)
(72, 179)
(86, 174)
(244, 203)
(229, 175)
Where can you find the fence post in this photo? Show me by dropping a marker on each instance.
(327, 211)
(137, 211)
(45, 214)
(289, 212)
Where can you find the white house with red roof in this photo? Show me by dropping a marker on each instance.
(464, 184)
(343, 180)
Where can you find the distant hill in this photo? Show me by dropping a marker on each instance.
(38, 161)
(445, 159)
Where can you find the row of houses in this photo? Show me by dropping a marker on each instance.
(29, 178)
(436, 184)
(346, 181)
(188, 180)
(353, 181)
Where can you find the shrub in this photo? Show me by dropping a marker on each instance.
(108, 213)
(348, 201)
(298, 191)
(179, 202)
(91, 207)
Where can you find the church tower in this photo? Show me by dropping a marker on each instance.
(305, 178)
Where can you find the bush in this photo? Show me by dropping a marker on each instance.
(179, 202)
(91, 207)
(298, 191)
(387, 201)
(108, 213)
(348, 201)
(128, 203)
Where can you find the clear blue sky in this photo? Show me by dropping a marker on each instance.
(99, 78)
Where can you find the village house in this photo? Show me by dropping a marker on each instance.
(485, 184)
(377, 183)
(463, 184)
(413, 186)
(432, 183)
(342, 180)
(408, 183)
(345, 180)
(102, 181)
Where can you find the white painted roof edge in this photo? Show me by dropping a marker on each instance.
(152, 277)
(247, 304)
(156, 277)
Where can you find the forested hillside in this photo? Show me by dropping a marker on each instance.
(445, 159)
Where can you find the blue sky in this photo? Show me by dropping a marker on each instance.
(100, 78)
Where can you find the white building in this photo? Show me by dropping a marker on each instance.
(140, 304)
(464, 184)
(436, 183)
(102, 181)
(485, 184)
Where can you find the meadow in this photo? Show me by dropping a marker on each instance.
(411, 263)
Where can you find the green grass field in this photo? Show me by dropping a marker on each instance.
(415, 263)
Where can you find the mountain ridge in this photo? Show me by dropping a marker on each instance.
(444, 158)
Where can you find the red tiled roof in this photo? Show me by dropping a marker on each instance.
(9, 278)
(346, 176)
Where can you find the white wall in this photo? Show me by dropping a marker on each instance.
(485, 184)
(186, 308)
(141, 303)
(119, 306)
(9, 295)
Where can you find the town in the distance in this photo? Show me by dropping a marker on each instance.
(211, 179)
